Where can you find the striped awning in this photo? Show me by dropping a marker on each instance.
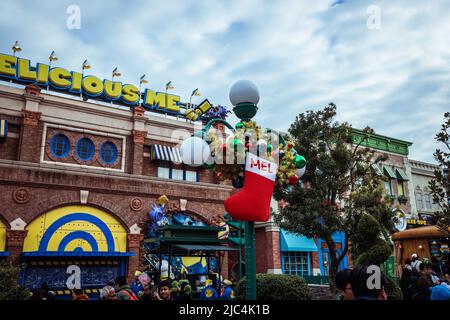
(166, 153)
(376, 169)
(388, 172)
(3, 128)
(401, 175)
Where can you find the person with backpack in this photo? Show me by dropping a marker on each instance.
(123, 290)
(425, 282)
(408, 284)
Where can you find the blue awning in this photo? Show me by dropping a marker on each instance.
(3, 128)
(166, 153)
(292, 242)
(77, 254)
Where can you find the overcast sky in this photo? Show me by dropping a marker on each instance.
(392, 73)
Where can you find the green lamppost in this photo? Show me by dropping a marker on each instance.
(244, 96)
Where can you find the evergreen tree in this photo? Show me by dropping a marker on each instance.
(9, 283)
(368, 245)
(440, 185)
(339, 186)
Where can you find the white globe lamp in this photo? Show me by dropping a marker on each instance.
(194, 151)
(244, 95)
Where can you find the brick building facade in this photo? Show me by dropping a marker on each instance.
(61, 151)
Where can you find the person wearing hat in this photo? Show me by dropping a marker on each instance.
(227, 292)
(208, 292)
(108, 293)
(175, 290)
(415, 262)
(185, 290)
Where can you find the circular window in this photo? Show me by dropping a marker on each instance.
(60, 145)
(85, 149)
(108, 152)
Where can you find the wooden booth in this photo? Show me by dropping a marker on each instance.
(427, 242)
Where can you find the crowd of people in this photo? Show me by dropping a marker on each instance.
(120, 289)
(421, 280)
(165, 290)
(424, 280)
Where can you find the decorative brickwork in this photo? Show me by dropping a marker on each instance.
(139, 136)
(21, 196)
(33, 90)
(31, 118)
(14, 244)
(138, 111)
(135, 246)
(30, 141)
(136, 204)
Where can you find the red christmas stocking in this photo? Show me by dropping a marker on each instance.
(252, 203)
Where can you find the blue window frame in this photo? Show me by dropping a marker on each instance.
(85, 149)
(297, 263)
(108, 152)
(59, 145)
(168, 172)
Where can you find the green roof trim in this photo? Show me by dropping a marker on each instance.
(401, 175)
(383, 143)
(389, 172)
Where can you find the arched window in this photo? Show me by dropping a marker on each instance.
(428, 201)
(419, 200)
(60, 145)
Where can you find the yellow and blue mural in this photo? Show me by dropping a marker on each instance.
(76, 231)
(2, 239)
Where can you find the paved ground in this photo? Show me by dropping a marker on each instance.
(321, 293)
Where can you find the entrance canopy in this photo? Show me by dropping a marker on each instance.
(292, 242)
(421, 232)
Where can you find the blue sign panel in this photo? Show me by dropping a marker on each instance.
(93, 274)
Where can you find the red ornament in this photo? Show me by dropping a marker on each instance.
(248, 145)
(223, 146)
(293, 180)
(290, 145)
(219, 174)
